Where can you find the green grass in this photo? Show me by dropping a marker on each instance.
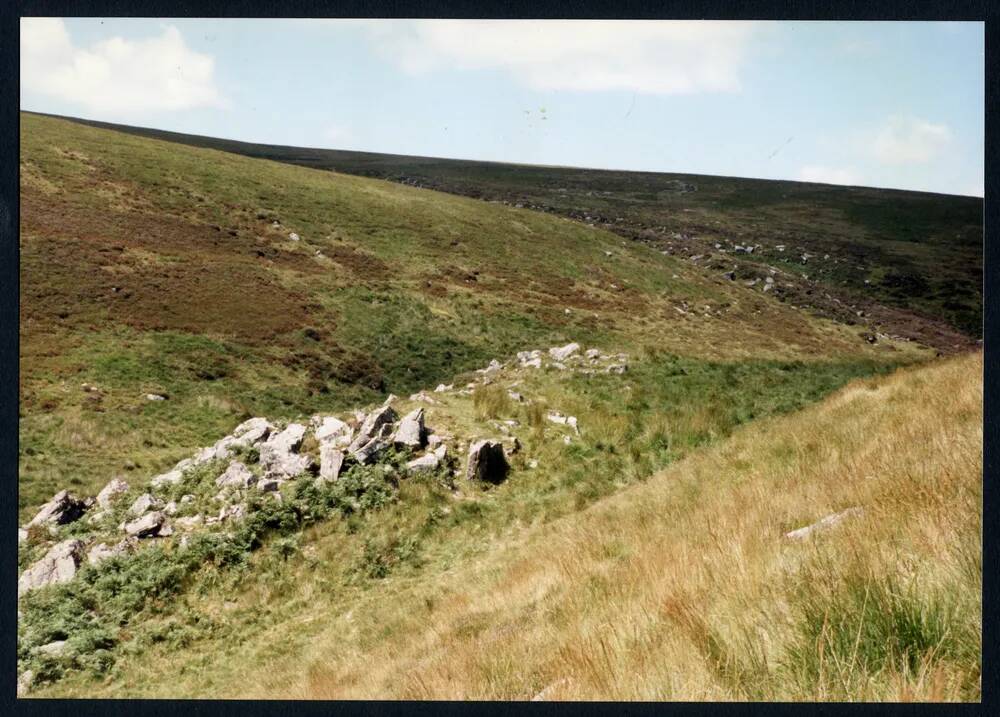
(153, 267)
(933, 241)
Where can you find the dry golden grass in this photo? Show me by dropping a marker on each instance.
(684, 587)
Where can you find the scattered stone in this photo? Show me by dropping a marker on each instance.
(533, 464)
(113, 489)
(268, 485)
(188, 522)
(176, 475)
(143, 503)
(411, 432)
(331, 460)
(593, 353)
(170, 508)
(487, 462)
(61, 509)
(236, 475)
(561, 353)
(515, 396)
(373, 422)
(427, 462)
(617, 368)
(823, 524)
(102, 551)
(58, 565)
(232, 512)
(441, 388)
(155, 397)
(22, 535)
(279, 454)
(293, 236)
(148, 526)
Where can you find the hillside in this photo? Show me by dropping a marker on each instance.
(170, 294)
(903, 263)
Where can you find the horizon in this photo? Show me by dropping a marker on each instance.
(492, 161)
(882, 105)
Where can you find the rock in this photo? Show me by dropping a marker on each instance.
(113, 489)
(561, 353)
(411, 432)
(170, 508)
(533, 464)
(374, 421)
(515, 396)
(148, 526)
(188, 522)
(102, 551)
(617, 368)
(487, 462)
(441, 388)
(823, 524)
(331, 460)
(423, 397)
(268, 485)
(564, 420)
(368, 441)
(293, 236)
(155, 397)
(185, 499)
(24, 682)
(22, 535)
(512, 445)
(237, 475)
(332, 429)
(144, 503)
(532, 363)
(731, 275)
(252, 431)
(169, 478)
(424, 463)
(593, 354)
(279, 454)
(232, 512)
(58, 565)
(368, 452)
(61, 509)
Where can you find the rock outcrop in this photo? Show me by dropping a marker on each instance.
(487, 462)
(58, 565)
(412, 433)
(61, 509)
(279, 454)
(112, 490)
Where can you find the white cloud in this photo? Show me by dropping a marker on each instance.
(116, 75)
(828, 175)
(652, 57)
(910, 140)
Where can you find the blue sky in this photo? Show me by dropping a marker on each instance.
(886, 104)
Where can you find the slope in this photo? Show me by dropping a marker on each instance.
(682, 587)
(235, 287)
(903, 263)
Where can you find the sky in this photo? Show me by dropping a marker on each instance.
(882, 104)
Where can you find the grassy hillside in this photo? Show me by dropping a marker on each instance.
(238, 287)
(681, 587)
(910, 262)
(155, 267)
